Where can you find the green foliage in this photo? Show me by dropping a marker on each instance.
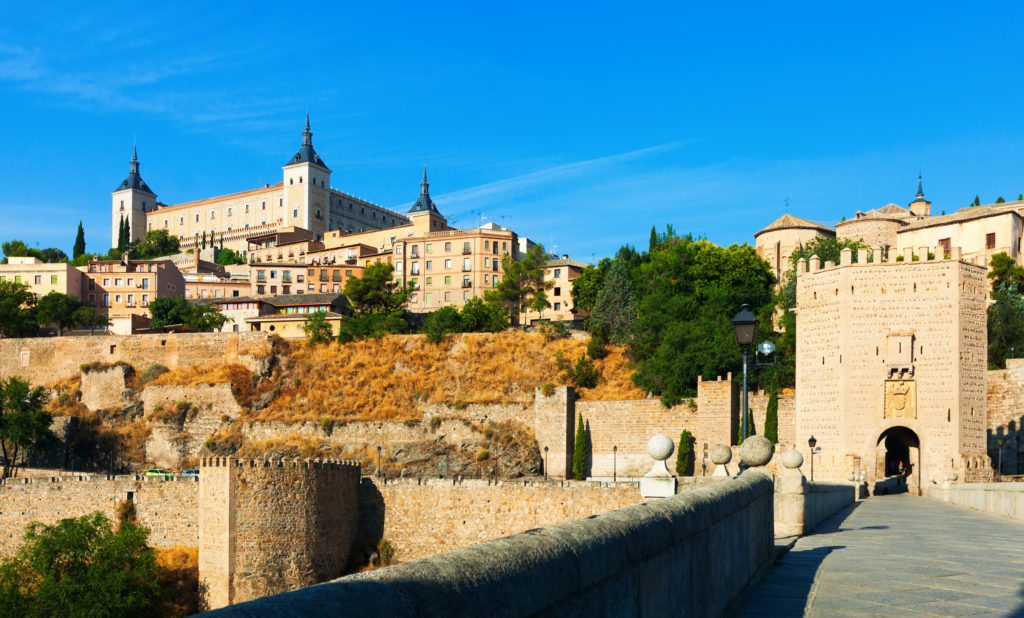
(615, 309)
(23, 423)
(79, 248)
(522, 286)
(977, 201)
(1005, 325)
(204, 239)
(596, 347)
(547, 389)
(751, 431)
(689, 292)
(17, 310)
(771, 416)
(1003, 270)
(59, 310)
(477, 316)
(156, 243)
(684, 454)
(376, 292)
(441, 322)
(581, 374)
(553, 330)
(317, 329)
(1000, 200)
(123, 234)
(579, 451)
(587, 285)
(88, 318)
(17, 248)
(81, 567)
(227, 257)
(173, 310)
(372, 325)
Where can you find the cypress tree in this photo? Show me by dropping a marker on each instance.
(654, 239)
(204, 239)
(1000, 200)
(615, 309)
(122, 235)
(684, 453)
(771, 416)
(579, 451)
(79, 248)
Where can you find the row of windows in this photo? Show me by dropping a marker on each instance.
(119, 282)
(467, 247)
(466, 281)
(467, 265)
(117, 300)
(286, 276)
(37, 279)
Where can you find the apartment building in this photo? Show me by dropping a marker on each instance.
(41, 277)
(122, 290)
(277, 278)
(560, 271)
(289, 313)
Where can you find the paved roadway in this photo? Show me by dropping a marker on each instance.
(899, 555)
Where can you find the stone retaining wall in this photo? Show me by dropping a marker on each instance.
(695, 554)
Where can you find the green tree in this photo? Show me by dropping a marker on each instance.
(123, 234)
(522, 285)
(57, 309)
(317, 329)
(23, 423)
(81, 567)
(1005, 325)
(168, 310)
(684, 454)
(587, 285)
(689, 291)
(79, 248)
(205, 318)
(771, 416)
(441, 322)
(1000, 200)
(579, 451)
(615, 309)
(204, 239)
(156, 243)
(751, 430)
(1003, 270)
(977, 201)
(477, 316)
(17, 310)
(87, 317)
(653, 243)
(377, 291)
(14, 248)
(227, 257)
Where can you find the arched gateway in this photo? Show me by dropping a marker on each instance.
(898, 461)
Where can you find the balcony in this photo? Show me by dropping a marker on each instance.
(467, 284)
(466, 251)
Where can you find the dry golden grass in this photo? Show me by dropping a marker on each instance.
(67, 398)
(387, 379)
(132, 438)
(237, 376)
(180, 579)
(286, 448)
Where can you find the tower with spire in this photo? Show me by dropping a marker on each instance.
(920, 207)
(307, 184)
(424, 214)
(131, 200)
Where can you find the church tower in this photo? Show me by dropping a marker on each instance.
(920, 207)
(307, 185)
(424, 214)
(132, 199)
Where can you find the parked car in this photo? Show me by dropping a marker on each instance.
(191, 473)
(166, 474)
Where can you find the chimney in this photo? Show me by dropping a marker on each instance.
(124, 257)
(565, 256)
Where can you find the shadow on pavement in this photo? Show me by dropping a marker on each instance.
(786, 588)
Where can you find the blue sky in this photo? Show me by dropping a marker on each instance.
(578, 125)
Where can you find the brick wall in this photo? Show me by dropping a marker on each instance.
(629, 425)
(1006, 416)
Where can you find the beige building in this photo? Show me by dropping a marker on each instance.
(890, 367)
(41, 277)
(122, 290)
(304, 199)
(561, 272)
(288, 314)
(239, 310)
(777, 242)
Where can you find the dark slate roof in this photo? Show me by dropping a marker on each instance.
(287, 300)
(134, 180)
(306, 153)
(424, 203)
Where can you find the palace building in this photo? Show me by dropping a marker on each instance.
(304, 198)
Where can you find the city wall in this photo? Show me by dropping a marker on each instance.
(42, 360)
(695, 554)
(1006, 417)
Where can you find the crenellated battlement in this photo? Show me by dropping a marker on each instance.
(878, 257)
(248, 462)
(94, 478)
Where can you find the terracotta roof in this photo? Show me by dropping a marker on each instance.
(967, 214)
(221, 197)
(789, 222)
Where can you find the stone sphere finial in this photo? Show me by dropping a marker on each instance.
(720, 454)
(954, 476)
(756, 451)
(793, 459)
(660, 447)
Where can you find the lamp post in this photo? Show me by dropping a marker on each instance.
(615, 461)
(811, 442)
(1000, 442)
(745, 327)
(379, 448)
(545, 462)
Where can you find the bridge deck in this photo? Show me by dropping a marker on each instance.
(899, 556)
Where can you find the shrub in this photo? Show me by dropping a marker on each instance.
(554, 330)
(483, 455)
(441, 322)
(596, 348)
(584, 374)
(579, 451)
(547, 389)
(771, 416)
(328, 425)
(152, 372)
(684, 454)
(386, 552)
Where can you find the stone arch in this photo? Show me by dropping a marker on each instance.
(898, 460)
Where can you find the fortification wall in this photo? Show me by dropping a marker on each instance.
(629, 425)
(103, 389)
(425, 517)
(1006, 416)
(42, 360)
(274, 525)
(694, 554)
(182, 435)
(168, 508)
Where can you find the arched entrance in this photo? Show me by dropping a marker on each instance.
(898, 461)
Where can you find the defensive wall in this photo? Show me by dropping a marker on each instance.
(1006, 417)
(1002, 499)
(42, 360)
(693, 554)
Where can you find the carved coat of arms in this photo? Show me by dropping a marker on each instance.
(900, 399)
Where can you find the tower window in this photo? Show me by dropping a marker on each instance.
(291, 181)
(300, 180)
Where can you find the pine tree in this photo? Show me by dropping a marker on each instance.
(615, 308)
(123, 235)
(654, 239)
(684, 453)
(79, 248)
(977, 201)
(1020, 197)
(579, 451)
(1000, 200)
(771, 416)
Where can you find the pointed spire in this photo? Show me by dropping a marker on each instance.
(307, 135)
(920, 191)
(133, 167)
(424, 185)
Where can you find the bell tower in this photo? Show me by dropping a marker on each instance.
(307, 185)
(132, 199)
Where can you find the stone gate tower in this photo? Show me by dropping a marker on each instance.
(890, 369)
(131, 200)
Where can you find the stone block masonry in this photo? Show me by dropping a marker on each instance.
(1006, 416)
(268, 526)
(169, 509)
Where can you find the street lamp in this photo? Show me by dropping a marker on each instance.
(615, 456)
(1000, 442)
(545, 462)
(745, 325)
(811, 442)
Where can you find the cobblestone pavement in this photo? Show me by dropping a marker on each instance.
(899, 556)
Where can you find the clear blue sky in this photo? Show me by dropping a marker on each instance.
(579, 126)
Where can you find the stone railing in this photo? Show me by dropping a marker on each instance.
(1003, 499)
(801, 505)
(695, 553)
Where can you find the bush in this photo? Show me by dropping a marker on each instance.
(596, 348)
(386, 552)
(684, 454)
(442, 322)
(479, 317)
(152, 372)
(483, 455)
(584, 374)
(547, 389)
(579, 451)
(553, 330)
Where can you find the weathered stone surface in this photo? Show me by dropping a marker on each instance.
(721, 454)
(658, 486)
(792, 458)
(660, 447)
(1002, 499)
(103, 389)
(756, 451)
